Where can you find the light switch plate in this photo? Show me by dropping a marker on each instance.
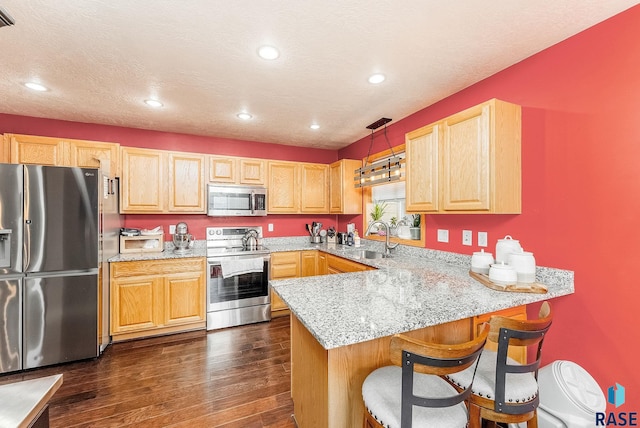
(172, 229)
(270, 227)
(443, 235)
(467, 237)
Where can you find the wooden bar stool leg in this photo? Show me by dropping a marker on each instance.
(474, 416)
(533, 422)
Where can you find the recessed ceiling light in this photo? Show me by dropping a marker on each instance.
(268, 52)
(244, 116)
(376, 78)
(314, 126)
(36, 86)
(153, 103)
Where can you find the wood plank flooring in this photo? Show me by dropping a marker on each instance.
(236, 377)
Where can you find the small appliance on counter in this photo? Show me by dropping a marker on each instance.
(141, 240)
(182, 239)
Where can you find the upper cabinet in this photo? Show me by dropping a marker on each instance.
(186, 182)
(232, 170)
(157, 181)
(30, 149)
(296, 187)
(469, 162)
(344, 197)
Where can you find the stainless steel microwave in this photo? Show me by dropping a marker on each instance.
(225, 200)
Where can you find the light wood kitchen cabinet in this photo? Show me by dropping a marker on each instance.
(186, 182)
(233, 170)
(469, 162)
(344, 197)
(157, 181)
(154, 297)
(314, 188)
(309, 263)
(283, 187)
(296, 187)
(143, 181)
(337, 264)
(222, 169)
(32, 149)
(322, 263)
(422, 163)
(95, 154)
(284, 265)
(5, 156)
(520, 313)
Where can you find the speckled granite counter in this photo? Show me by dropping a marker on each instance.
(415, 288)
(199, 250)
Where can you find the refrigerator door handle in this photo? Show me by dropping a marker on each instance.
(63, 273)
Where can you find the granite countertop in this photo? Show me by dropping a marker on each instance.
(413, 289)
(199, 250)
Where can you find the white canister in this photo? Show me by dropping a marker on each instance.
(481, 262)
(506, 246)
(525, 266)
(502, 274)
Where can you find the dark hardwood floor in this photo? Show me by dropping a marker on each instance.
(237, 377)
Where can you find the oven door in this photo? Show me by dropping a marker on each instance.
(240, 290)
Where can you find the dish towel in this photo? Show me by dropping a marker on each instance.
(241, 266)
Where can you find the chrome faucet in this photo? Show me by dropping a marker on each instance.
(387, 246)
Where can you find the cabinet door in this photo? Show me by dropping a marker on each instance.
(344, 197)
(184, 296)
(322, 264)
(314, 188)
(337, 264)
(308, 263)
(135, 304)
(5, 144)
(94, 154)
(465, 160)
(422, 163)
(283, 188)
(143, 181)
(186, 182)
(222, 169)
(31, 149)
(252, 171)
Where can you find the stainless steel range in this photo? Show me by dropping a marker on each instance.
(238, 282)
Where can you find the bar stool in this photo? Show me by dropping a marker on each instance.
(504, 390)
(390, 393)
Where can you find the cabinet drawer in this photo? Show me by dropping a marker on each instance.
(157, 267)
(337, 264)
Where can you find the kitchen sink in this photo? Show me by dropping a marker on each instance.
(368, 254)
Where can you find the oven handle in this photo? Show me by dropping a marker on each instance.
(216, 261)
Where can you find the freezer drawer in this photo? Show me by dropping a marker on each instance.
(60, 319)
(10, 325)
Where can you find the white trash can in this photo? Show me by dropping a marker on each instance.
(569, 397)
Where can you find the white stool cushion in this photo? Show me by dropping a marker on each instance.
(519, 387)
(382, 394)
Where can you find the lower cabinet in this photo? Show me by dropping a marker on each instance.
(518, 353)
(153, 297)
(295, 264)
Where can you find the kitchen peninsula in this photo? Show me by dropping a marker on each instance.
(341, 325)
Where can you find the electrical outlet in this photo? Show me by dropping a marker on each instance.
(467, 237)
(270, 227)
(482, 239)
(172, 229)
(443, 235)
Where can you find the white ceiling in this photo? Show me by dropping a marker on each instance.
(102, 58)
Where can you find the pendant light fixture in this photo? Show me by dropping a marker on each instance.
(381, 171)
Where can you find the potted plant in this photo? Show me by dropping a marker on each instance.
(414, 230)
(393, 226)
(378, 211)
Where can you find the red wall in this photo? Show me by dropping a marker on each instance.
(581, 189)
(284, 225)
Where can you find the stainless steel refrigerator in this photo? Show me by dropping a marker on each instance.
(49, 222)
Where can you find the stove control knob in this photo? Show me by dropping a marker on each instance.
(211, 231)
(219, 232)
